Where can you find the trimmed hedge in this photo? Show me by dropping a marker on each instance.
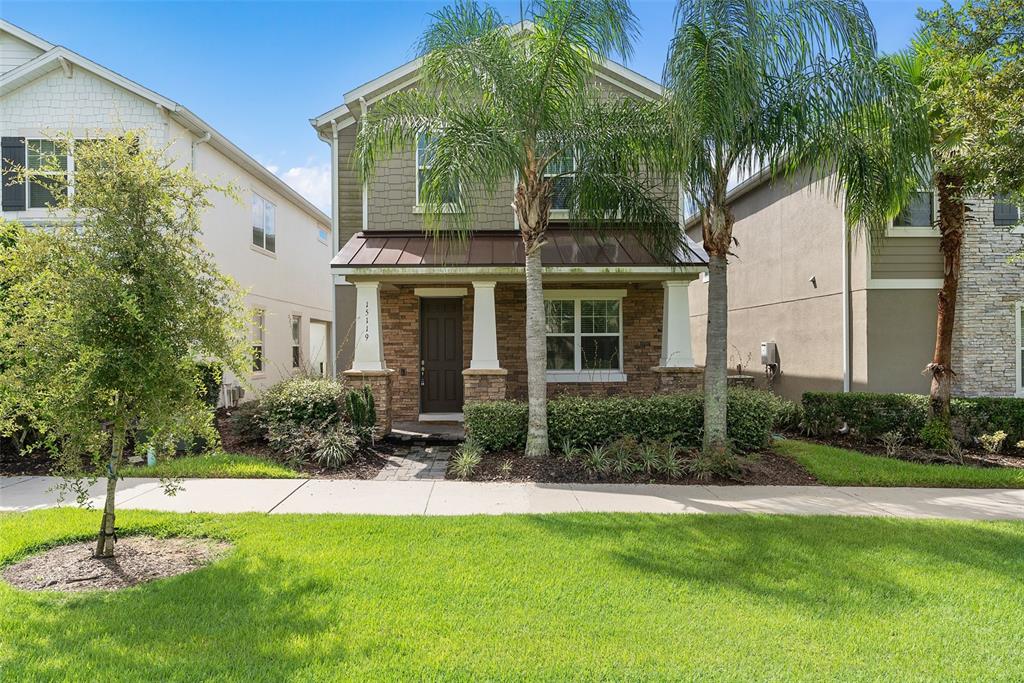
(502, 425)
(871, 415)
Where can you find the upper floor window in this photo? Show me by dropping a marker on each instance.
(560, 170)
(264, 231)
(584, 333)
(918, 213)
(48, 158)
(424, 165)
(323, 235)
(1004, 213)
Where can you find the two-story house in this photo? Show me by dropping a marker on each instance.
(271, 240)
(431, 325)
(848, 315)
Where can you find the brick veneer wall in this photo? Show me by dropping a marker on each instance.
(985, 332)
(400, 318)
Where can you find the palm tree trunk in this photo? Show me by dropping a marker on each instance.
(716, 438)
(536, 356)
(105, 539)
(952, 218)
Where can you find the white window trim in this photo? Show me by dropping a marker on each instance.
(1017, 323)
(580, 375)
(321, 239)
(917, 231)
(260, 314)
(418, 207)
(262, 248)
(560, 214)
(70, 174)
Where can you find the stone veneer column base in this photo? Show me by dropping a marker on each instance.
(674, 380)
(379, 382)
(484, 384)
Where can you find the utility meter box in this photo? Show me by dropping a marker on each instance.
(769, 354)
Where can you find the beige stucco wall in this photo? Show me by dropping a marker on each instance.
(293, 281)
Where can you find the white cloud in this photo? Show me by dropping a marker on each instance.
(313, 182)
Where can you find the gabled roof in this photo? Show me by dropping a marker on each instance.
(409, 73)
(59, 57)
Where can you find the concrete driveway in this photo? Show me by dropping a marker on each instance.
(18, 494)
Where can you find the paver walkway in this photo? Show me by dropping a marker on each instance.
(416, 462)
(462, 498)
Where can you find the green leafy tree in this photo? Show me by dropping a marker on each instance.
(968, 62)
(780, 86)
(518, 104)
(108, 311)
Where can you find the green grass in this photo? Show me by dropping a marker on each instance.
(215, 466)
(842, 467)
(557, 597)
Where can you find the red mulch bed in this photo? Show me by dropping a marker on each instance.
(766, 469)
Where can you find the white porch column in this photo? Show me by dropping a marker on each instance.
(485, 331)
(369, 347)
(676, 348)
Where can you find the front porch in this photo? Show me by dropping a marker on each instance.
(428, 339)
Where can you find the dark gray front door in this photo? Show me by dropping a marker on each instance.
(441, 355)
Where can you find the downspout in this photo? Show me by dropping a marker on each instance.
(847, 361)
(335, 245)
(195, 145)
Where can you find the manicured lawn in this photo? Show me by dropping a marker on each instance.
(582, 597)
(842, 467)
(215, 466)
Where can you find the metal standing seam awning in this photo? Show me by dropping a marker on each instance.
(408, 252)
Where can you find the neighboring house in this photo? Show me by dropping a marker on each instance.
(432, 325)
(274, 242)
(858, 316)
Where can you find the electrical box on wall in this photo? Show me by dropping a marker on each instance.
(769, 354)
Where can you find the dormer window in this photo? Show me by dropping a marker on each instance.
(424, 165)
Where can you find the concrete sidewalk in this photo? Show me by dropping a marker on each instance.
(464, 498)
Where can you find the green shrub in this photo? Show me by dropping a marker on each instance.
(361, 409)
(246, 424)
(871, 415)
(466, 460)
(302, 401)
(210, 374)
(867, 415)
(936, 435)
(583, 422)
(336, 446)
(789, 416)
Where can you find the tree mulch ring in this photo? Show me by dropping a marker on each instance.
(762, 469)
(137, 559)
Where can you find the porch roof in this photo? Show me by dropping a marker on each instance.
(564, 248)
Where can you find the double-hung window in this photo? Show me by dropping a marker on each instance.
(424, 166)
(46, 158)
(264, 230)
(258, 337)
(584, 335)
(296, 325)
(560, 170)
(1004, 213)
(918, 213)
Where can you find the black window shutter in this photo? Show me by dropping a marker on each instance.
(13, 152)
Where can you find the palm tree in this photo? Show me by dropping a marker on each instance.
(503, 104)
(777, 86)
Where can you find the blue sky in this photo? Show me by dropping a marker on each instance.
(258, 71)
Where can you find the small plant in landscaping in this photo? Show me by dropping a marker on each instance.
(506, 468)
(707, 465)
(362, 412)
(622, 452)
(893, 442)
(568, 451)
(955, 450)
(936, 435)
(466, 460)
(596, 460)
(1020, 445)
(668, 461)
(993, 443)
(338, 446)
(647, 458)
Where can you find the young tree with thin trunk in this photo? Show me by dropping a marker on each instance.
(107, 312)
(969, 65)
(519, 104)
(777, 86)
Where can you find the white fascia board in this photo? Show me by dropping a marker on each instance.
(468, 271)
(22, 34)
(229, 149)
(341, 114)
(398, 74)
